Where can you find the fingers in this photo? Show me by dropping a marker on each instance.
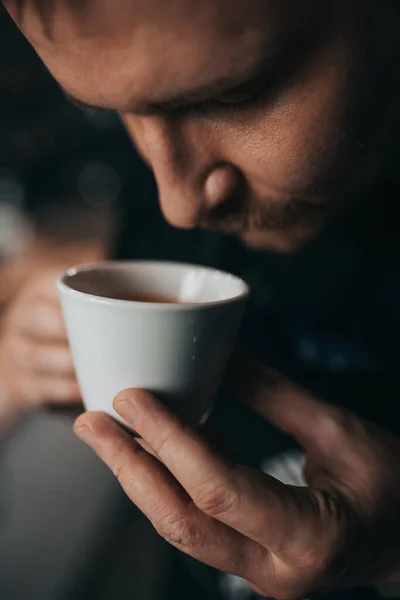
(40, 320)
(36, 390)
(36, 364)
(57, 389)
(152, 488)
(41, 357)
(252, 503)
(34, 373)
(44, 285)
(315, 424)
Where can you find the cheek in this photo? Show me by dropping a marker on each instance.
(296, 141)
(290, 149)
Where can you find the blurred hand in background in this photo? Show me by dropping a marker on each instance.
(35, 361)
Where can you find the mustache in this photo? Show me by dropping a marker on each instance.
(266, 214)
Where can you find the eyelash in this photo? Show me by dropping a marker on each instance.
(249, 100)
(252, 101)
(208, 107)
(264, 91)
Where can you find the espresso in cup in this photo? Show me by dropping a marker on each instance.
(163, 327)
(150, 298)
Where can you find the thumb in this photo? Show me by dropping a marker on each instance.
(289, 407)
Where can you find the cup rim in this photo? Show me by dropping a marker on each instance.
(64, 288)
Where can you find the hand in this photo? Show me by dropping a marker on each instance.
(288, 542)
(35, 360)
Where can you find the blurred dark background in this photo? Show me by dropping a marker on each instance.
(73, 189)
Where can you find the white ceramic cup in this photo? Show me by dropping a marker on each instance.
(177, 351)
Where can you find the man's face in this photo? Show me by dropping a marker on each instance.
(258, 117)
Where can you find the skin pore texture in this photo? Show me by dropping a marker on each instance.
(258, 117)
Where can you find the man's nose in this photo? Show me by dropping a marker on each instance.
(192, 178)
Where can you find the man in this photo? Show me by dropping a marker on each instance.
(263, 119)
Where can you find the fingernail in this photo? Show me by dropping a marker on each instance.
(85, 435)
(127, 410)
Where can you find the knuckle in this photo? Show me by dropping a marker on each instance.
(162, 441)
(314, 561)
(60, 358)
(119, 467)
(41, 360)
(64, 391)
(12, 348)
(216, 499)
(31, 391)
(118, 470)
(179, 530)
(334, 428)
(122, 471)
(25, 355)
(317, 562)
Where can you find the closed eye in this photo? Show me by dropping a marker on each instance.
(245, 94)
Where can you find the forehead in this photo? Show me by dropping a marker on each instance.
(118, 53)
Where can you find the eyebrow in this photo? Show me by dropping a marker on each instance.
(223, 85)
